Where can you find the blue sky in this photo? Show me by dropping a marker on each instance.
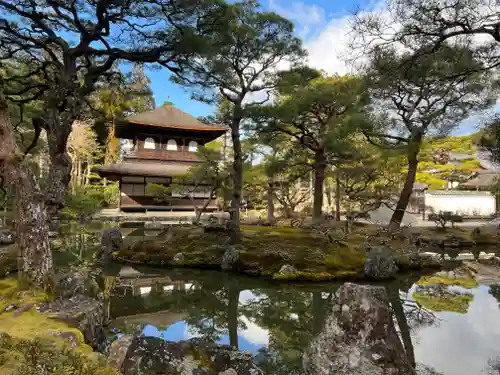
(324, 27)
(311, 18)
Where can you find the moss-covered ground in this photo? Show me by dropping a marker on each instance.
(263, 251)
(33, 343)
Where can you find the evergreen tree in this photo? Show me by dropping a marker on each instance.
(240, 59)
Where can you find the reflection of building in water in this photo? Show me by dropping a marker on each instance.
(144, 286)
(161, 319)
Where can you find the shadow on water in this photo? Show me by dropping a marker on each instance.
(446, 330)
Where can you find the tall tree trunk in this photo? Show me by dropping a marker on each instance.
(60, 168)
(405, 195)
(270, 201)
(237, 173)
(319, 179)
(34, 255)
(337, 195)
(233, 296)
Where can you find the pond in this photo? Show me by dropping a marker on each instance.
(449, 330)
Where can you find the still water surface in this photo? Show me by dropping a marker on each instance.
(448, 330)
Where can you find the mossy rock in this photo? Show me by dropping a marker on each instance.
(417, 262)
(317, 276)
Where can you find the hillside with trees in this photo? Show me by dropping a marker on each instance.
(447, 159)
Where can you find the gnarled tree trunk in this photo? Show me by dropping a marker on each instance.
(270, 201)
(337, 196)
(319, 180)
(34, 254)
(60, 166)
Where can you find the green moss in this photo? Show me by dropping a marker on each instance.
(345, 258)
(271, 229)
(436, 280)
(10, 292)
(300, 275)
(315, 276)
(28, 357)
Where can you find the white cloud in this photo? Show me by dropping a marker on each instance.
(329, 50)
(307, 17)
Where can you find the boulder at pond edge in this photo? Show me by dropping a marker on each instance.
(155, 356)
(381, 263)
(359, 337)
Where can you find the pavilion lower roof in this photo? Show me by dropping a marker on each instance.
(143, 170)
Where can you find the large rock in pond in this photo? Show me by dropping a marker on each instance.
(83, 313)
(111, 241)
(155, 356)
(76, 281)
(380, 263)
(230, 257)
(7, 237)
(359, 337)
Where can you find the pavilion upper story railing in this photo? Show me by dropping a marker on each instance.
(182, 154)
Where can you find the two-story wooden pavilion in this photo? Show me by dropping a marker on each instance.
(164, 144)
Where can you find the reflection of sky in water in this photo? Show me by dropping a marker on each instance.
(462, 343)
(250, 339)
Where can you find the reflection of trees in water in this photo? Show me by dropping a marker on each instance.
(418, 316)
(495, 291)
(439, 298)
(292, 318)
(427, 370)
(493, 366)
(292, 315)
(410, 315)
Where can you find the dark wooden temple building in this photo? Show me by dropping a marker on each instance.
(164, 145)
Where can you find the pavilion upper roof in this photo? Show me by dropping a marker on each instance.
(167, 116)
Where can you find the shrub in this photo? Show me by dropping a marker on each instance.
(442, 218)
(84, 201)
(111, 194)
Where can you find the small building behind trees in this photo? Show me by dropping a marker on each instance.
(164, 145)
